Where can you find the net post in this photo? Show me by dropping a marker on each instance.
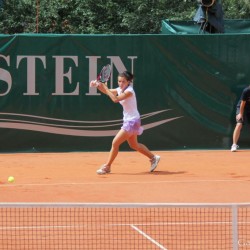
(235, 226)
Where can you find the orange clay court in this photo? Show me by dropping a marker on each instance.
(195, 176)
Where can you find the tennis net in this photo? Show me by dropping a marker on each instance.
(103, 226)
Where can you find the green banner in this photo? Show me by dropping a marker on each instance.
(232, 26)
(186, 85)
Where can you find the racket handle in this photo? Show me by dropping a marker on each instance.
(94, 83)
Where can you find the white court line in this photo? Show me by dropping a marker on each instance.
(88, 225)
(116, 182)
(149, 238)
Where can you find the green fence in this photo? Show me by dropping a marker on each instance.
(187, 87)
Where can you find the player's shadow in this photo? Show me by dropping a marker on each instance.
(156, 172)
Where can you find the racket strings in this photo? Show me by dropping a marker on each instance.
(105, 74)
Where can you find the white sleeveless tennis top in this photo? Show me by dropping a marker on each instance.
(129, 105)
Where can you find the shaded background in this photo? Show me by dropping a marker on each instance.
(197, 78)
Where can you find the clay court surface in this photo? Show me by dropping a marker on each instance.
(182, 176)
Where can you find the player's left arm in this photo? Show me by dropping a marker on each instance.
(103, 87)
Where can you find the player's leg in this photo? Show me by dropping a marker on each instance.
(237, 130)
(120, 137)
(134, 144)
(236, 135)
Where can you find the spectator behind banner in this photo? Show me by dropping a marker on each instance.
(210, 16)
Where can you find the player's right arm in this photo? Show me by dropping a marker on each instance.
(105, 90)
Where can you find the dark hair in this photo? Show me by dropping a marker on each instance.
(129, 76)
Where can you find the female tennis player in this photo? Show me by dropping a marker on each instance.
(131, 127)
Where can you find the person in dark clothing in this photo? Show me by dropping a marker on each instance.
(210, 16)
(242, 115)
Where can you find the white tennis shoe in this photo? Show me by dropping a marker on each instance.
(105, 169)
(154, 162)
(234, 148)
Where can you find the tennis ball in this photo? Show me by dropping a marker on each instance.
(11, 179)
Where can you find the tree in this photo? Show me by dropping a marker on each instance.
(103, 16)
(237, 9)
(16, 17)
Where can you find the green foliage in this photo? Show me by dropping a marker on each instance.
(16, 17)
(239, 9)
(102, 16)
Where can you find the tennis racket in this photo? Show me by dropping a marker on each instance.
(103, 76)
